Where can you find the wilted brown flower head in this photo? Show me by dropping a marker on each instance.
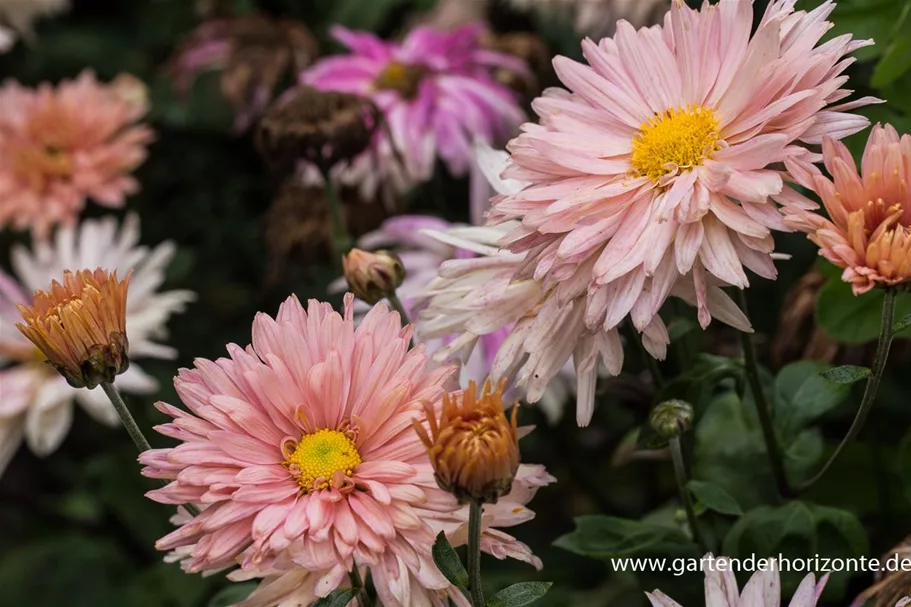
(373, 276)
(80, 326)
(323, 127)
(254, 53)
(532, 50)
(891, 587)
(798, 336)
(473, 447)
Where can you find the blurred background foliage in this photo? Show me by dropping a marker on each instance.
(75, 529)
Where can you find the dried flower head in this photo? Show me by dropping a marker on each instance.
(321, 127)
(869, 233)
(373, 276)
(80, 326)
(254, 53)
(532, 50)
(799, 336)
(891, 587)
(473, 447)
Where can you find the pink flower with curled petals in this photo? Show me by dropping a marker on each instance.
(60, 146)
(869, 230)
(300, 449)
(649, 178)
(437, 92)
(762, 590)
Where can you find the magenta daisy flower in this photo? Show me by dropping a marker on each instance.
(301, 454)
(650, 177)
(437, 92)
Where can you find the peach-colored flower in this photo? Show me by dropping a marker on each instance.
(473, 447)
(868, 232)
(300, 449)
(61, 145)
(80, 326)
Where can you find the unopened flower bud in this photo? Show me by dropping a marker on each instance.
(80, 326)
(473, 446)
(373, 276)
(671, 418)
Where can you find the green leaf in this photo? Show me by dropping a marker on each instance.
(714, 497)
(519, 594)
(448, 561)
(896, 59)
(846, 374)
(803, 396)
(606, 537)
(232, 594)
(338, 598)
(854, 319)
(902, 324)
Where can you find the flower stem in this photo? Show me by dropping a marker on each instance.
(126, 417)
(341, 240)
(133, 428)
(879, 365)
(682, 479)
(773, 449)
(474, 554)
(396, 304)
(647, 358)
(358, 582)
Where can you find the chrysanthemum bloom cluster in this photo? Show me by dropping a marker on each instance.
(37, 401)
(648, 179)
(868, 232)
(474, 449)
(17, 17)
(436, 91)
(61, 145)
(763, 589)
(300, 449)
(80, 326)
(253, 53)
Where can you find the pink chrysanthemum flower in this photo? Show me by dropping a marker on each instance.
(59, 146)
(651, 173)
(300, 449)
(869, 233)
(437, 93)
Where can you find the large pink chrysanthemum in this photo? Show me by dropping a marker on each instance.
(59, 146)
(437, 93)
(652, 172)
(869, 233)
(300, 449)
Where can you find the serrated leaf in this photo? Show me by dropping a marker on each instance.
(338, 598)
(448, 562)
(902, 324)
(846, 374)
(713, 497)
(519, 594)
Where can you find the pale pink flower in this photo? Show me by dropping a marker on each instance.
(37, 402)
(649, 178)
(762, 590)
(301, 451)
(437, 92)
(868, 232)
(61, 145)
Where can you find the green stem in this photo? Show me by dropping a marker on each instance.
(357, 582)
(398, 307)
(474, 554)
(682, 479)
(879, 365)
(341, 239)
(133, 428)
(763, 409)
(647, 359)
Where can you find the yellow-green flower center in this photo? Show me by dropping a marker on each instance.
(320, 455)
(401, 77)
(675, 139)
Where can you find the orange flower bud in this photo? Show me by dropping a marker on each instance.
(473, 447)
(80, 326)
(373, 276)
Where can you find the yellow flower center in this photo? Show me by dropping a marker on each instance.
(675, 139)
(320, 455)
(401, 77)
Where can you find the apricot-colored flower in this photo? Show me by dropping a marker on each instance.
(61, 145)
(80, 326)
(868, 232)
(473, 446)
